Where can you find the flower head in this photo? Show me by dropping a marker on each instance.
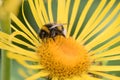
(80, 54)
(64, 57)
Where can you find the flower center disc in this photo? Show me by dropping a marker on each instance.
(63, 57)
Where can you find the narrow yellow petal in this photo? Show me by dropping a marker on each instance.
(35, 14)
(17, 56)
(105, 22)
(88, 77)
(38, 75)
(43, 10)
(60, 11)
(70, 79)
(67, 5)
(25, 64)
(82, 17)
(24, 52)
(50, 10)
(108, 44)
(113, 51)
(76, 78)
(105, 68)
(108, 58)
(22, 59)
(29, 26)
(4, 36)
(38, 10)
(14, 39)
(73, 15)
(3, 46)
(18, 50)
(91, 20)
(111, 77)
(23, 35)
(54, 78)
(22, 73)
(98, 20)
(108, 33)
(22, 27)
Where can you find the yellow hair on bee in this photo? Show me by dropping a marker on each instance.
(59, 28)
(45, 28)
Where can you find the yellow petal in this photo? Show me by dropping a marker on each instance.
(99, 19)
(12, 38)
(104, 23)
(105, 68)
(38, 75)
(105, 35)
(23, 63)
(28, 25)
(43, 10)
(110, 52)
(67, 5)
(73, 15)
(106, 45)
(35, 14)
(17, 56)
(22, 27)
(60, 11)
(23, 35)
(88, 77)
(82, 17)
(105, 75)
(22, 73)
(38, 10)
(54, 78)
(91, 20)
(75, 78)
(18, 50)
(50, 10)
(108, 58)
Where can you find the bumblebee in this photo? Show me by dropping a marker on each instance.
(51, 30)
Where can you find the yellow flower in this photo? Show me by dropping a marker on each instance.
(80, 55)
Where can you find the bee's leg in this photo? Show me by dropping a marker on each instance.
(53, 38)
(63, 35)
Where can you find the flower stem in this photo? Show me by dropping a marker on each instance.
(6, 63)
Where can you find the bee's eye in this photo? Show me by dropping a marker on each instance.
(43, 34)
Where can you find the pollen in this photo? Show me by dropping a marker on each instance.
(63, 57)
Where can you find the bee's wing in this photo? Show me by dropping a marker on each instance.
(64, 32)
(56, 25)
